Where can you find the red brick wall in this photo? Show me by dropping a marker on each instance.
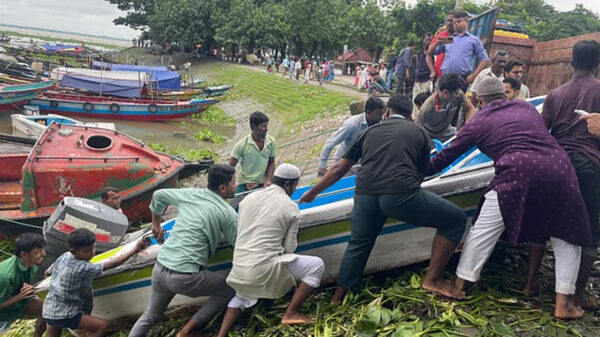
(550, 63)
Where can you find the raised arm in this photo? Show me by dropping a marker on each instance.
(336, 173)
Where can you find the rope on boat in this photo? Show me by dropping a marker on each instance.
(18, 223)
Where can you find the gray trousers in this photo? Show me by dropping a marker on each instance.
(166, 284)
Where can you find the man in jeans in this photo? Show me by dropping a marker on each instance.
(402, 70)
(395, 157)
(204, 218)
(583, 148)
(391, 65)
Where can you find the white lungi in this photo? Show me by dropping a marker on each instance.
(305, 268)
(486, 231)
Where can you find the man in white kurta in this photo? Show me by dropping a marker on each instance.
(264, 263)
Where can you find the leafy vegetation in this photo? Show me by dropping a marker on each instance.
(208, 136)
(214, 114)
(185, 152)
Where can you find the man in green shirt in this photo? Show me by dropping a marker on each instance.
(17, 297)
(203, 219)
(256, 154)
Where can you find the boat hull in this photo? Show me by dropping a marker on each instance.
(15, 96)
(29, 127)
(126, 111)
(324, 232)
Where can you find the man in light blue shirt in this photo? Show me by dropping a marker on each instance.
(460, 50)
(203, 221)
(347, 133)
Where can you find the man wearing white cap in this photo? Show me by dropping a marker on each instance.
(264, 265)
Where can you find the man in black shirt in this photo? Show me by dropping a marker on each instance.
(395, 157)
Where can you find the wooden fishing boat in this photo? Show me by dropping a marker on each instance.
(80, 161)
(15, 96)
(216, 90)
(87, 105)
(33, 126)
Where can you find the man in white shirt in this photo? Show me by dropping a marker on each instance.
(496, 70)
(264, 263)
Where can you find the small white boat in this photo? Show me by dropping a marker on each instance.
(33, 126)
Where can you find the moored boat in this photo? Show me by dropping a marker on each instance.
(80, 161)
(15, 96)
(33, 126)
(74, 104)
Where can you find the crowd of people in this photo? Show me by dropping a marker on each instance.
(546, 189)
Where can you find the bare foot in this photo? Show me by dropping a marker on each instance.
(296, 318)
(570, 312)
(460, 284)
(338, 297)
(444, 288)
(532, 289)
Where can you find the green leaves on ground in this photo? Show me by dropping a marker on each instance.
(208, 136)
(184, 152)
(214, 114)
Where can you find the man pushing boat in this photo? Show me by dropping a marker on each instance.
(395, 158)
(264, 263)
(204, 218)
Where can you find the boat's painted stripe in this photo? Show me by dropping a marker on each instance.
(146, 282)
(138, 111)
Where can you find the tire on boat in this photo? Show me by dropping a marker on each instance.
(114, 108)
(53, 104)
(87, 106)
(153, 108)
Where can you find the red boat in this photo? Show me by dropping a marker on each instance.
(80, 161)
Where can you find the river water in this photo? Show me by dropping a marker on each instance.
(179, 132)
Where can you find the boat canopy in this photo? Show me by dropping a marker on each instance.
(160, 76)
(115, 83)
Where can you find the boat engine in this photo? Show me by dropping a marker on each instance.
(109, 226)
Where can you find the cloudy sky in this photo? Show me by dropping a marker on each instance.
(96, 16)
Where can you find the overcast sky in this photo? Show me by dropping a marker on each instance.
(96, 16)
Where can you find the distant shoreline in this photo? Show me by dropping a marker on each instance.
(59, 34)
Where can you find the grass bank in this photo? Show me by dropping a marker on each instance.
(295, 103)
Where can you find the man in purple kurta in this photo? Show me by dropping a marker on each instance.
(583, 148)
(534, 194)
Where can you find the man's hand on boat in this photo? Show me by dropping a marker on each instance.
(332, 175)
(157, 231)
(140, 245)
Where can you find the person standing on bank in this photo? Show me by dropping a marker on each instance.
(17, 297)
(347, 133)
(461, 50)
(394, 156)
(204, 219)
(533, 196)
(256, 154)
(264, 263)
(583, 148)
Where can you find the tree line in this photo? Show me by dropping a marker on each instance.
(322, 27)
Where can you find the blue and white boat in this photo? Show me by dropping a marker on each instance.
(33, 126)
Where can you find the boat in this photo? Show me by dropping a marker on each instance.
(75, 160)
(123, 292)
(33, 126)
(15, 96)
(89, 105)
(216, 90)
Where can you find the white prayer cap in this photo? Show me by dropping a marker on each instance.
(287, 171)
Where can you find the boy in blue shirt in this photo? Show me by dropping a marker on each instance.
(70, 298)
